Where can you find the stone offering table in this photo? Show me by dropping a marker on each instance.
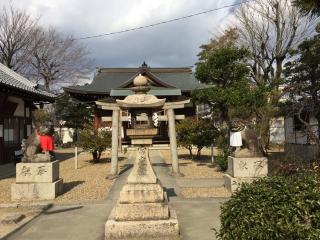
(36, 181)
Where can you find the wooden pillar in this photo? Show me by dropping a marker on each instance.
(173, 142)
(97, 120)
(114, 150)
(120, 132)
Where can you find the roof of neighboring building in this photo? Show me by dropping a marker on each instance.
(113, 81)
(10, 78)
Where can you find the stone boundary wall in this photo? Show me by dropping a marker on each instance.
(306, 152)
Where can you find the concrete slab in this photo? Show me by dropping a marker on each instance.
(197, 218)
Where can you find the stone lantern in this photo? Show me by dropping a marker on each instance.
(142, 210)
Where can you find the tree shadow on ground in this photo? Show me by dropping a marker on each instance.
(202, 158)
(125, 168)
(161, 164)
(63, 156)
(105, 160)
(63, 210)
(170, 192)
(168, 164)
(68, 186)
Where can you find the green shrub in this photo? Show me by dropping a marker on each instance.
(275, 208)
(94, 141)
(222, 159)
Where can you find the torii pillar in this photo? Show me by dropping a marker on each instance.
(169, 107)
(115, 142)
(173, 142)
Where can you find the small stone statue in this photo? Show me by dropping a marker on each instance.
(31, 147)
(250, 139)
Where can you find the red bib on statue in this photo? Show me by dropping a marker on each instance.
(46, 143)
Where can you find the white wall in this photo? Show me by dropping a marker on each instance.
(298, 137)
(66, 134)
(277, 134)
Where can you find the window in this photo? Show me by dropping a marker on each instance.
(13, 131)
(298, 125)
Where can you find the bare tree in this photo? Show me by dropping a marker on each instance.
(269, 29)
(17, 30)
(58, 59)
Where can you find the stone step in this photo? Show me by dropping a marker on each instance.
(141, 211)
(141, 193)
(153, 229)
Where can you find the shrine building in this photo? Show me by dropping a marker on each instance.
(110, 84)
(18, 98)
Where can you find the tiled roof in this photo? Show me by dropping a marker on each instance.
(12, 79)
(108, 79)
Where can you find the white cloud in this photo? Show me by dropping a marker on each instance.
(173, 44)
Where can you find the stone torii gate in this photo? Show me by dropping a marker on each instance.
(168, 107)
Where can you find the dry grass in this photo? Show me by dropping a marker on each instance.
(202, 168)
(87, 183)
(205, 192)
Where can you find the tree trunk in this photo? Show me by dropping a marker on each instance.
(190, 152)
(96, 156)
(198, 153)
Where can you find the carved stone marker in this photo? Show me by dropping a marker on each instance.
(36, 181)
(242, 170)
(246, 163)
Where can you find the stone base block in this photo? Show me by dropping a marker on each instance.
(36, 191)
(141, 141)
(46, 172)
(232, 183)
(247, 167)
(141, 211)
(141, 193)
(152, 229)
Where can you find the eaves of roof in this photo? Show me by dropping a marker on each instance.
(11, 79)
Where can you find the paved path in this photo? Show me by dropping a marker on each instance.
(196, 217)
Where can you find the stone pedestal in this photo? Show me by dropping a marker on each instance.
(142, 210)
(241, 170)
(37, 181)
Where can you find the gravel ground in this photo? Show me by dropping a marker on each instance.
(5, 186)
(29, 213)
(194, 169)
(85, 184)
(205, 192)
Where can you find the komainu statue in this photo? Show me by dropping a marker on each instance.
(248, 139)
(38, 147)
